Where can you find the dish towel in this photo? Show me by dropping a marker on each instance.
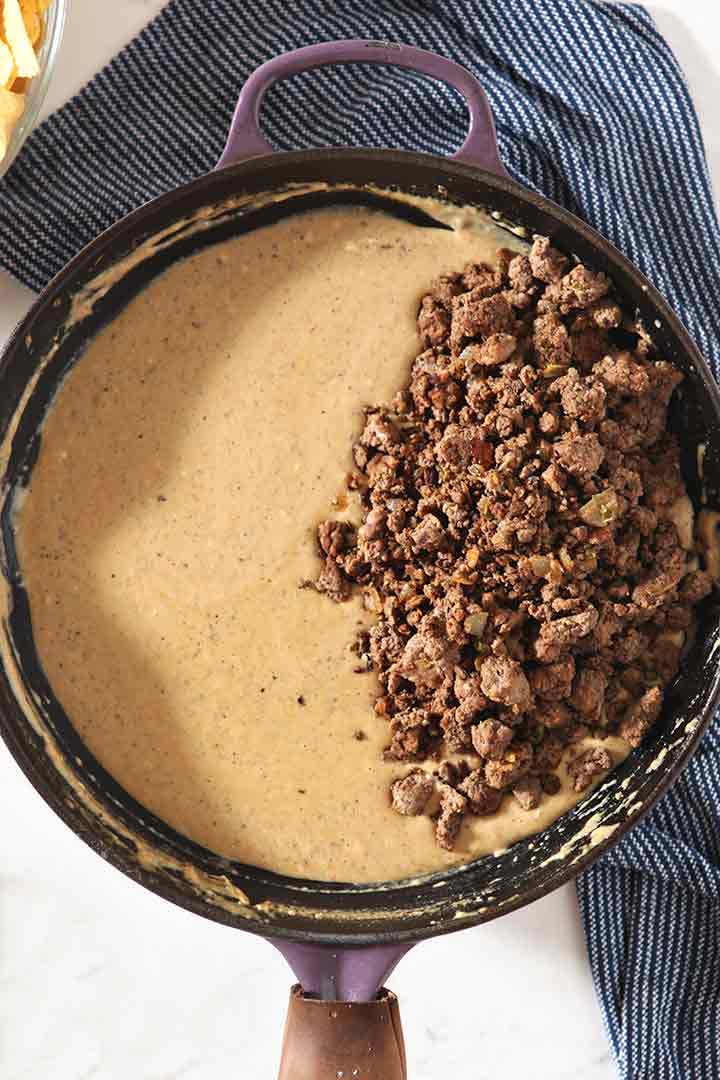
(592, 110)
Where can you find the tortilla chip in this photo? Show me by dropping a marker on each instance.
(21, 29)
(17, 38)
(32, 20)
(12, 107)
(8, 72)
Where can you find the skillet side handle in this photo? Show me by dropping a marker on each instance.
(343, 1039)
(245, 140)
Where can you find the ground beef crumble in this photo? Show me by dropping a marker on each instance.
(519, 546)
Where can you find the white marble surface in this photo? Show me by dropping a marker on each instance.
(101, 980)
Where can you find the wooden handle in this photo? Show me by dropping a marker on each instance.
(343, 1040)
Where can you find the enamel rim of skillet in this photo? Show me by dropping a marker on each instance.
(88, 799)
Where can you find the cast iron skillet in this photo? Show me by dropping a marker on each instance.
(314, 921)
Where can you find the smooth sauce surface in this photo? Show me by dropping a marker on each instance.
(171, 515)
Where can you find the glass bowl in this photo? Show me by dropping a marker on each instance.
(38, 87)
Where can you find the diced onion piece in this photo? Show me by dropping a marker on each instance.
(540, 565)
(566, 558)
(682, 515)
(708, 521)
(602, 509)
(475, 624)
(371, 600)
(472, 557)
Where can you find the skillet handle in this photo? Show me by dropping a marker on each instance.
(352, 1040)
(245, 140)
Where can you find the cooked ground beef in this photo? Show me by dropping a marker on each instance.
(583, 768)
(528, 792)
(452, 810)
(411, 794)
(519, 544)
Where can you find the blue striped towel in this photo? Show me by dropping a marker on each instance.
(592, 110)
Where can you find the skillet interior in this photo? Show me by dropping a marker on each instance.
(32, 722)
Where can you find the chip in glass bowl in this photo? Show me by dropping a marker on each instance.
(30, 34)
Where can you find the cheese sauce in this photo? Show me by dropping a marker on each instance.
(171, 516)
